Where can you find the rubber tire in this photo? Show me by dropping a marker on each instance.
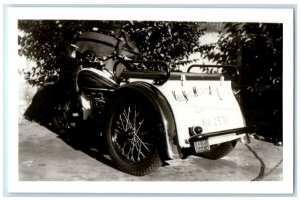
(61, 120)
(219, 151)
(153, 160)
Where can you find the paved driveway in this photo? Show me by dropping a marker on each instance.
(45, 156)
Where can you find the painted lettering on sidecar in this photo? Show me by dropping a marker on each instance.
(209, 104)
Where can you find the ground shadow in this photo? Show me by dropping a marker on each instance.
(85, 136)
(40, 108)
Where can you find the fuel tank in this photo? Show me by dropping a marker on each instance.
(94, 79)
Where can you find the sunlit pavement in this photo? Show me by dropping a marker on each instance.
(44, 156)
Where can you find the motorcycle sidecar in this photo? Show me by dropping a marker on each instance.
(155, 115)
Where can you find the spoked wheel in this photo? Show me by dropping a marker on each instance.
(62, 119)
(132, 133)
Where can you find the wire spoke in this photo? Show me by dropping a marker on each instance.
(131, 134)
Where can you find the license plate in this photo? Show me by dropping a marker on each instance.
(201, 146)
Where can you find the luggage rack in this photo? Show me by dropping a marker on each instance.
(164, 74)
(232, 67)
(230, 71)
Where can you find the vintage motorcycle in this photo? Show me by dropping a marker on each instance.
(147, 113)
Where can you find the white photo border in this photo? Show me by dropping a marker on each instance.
(12, 13)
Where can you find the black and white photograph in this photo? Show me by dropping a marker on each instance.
(119, 88)
(153, 100)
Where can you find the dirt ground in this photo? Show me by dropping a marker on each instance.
(46, 156)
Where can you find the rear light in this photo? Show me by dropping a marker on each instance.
(195, 130)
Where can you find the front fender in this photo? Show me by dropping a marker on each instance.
(170, 148)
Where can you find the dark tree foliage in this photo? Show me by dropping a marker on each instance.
(45, 42)
(167, 41)
(256, 49)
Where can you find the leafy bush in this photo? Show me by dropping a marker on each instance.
(256, 49)
(45, 42)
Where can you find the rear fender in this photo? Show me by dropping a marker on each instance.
(170, 147)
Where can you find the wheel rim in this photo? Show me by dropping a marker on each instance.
(131, 134)
(62, 116)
